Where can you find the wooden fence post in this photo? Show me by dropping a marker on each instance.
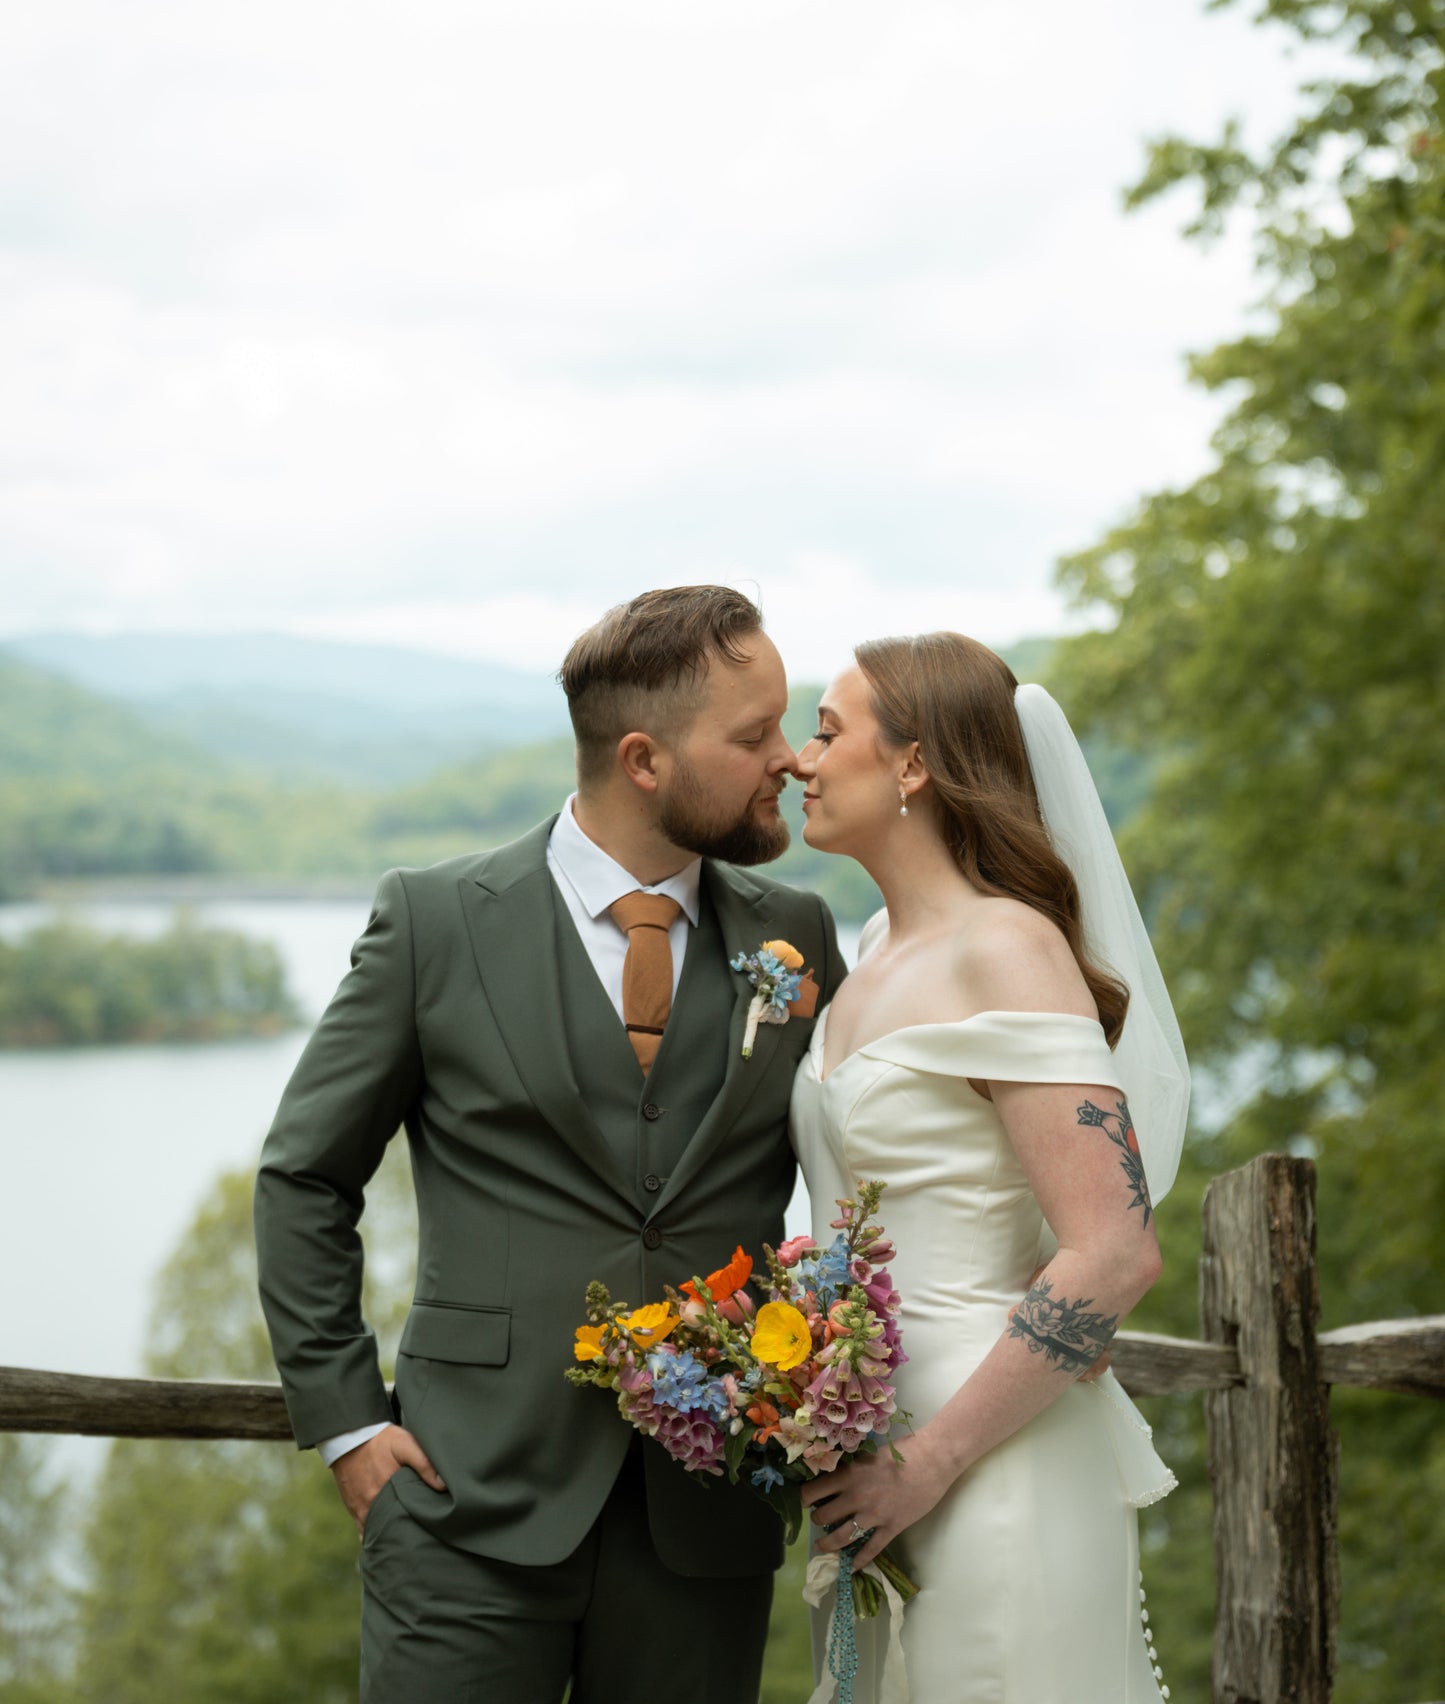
(1273, 1460)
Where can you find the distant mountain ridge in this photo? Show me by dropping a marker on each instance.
(59, 732)
(367, 715)
(155, 665)
(376, 717)
(97, 788)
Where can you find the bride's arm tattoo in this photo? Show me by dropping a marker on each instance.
(1118, 1126)
(1070, 1338)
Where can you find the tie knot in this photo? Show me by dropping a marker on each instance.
(644, 911)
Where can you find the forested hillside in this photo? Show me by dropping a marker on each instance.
(90, 790)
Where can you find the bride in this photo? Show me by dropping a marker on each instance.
(988, 1057)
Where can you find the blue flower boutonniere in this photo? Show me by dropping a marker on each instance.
(784, 988)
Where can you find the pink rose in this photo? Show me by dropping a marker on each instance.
(736, 1308)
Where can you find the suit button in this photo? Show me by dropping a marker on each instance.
(652, 1183)
(651, 1113)
(652, 1237)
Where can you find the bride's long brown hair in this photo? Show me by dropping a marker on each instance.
(956, 699)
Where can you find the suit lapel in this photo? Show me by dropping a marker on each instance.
(744, 913)
(510, 906)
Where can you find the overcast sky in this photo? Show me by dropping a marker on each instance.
(452, 323)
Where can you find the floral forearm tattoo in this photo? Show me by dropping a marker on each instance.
(1069, 1337)
(1118, 1126)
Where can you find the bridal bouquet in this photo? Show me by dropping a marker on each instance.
(778, 1393)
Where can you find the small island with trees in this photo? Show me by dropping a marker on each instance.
(67, 985)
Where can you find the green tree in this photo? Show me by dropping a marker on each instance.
(63, 983)
(1277, 649)
(227, 1571)
(36, 1600)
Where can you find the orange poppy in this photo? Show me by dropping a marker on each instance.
(727, 1279)
(765, 1417)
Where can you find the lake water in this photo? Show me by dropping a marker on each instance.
(106, 1152)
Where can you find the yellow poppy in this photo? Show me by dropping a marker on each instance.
(588, 1346)
(782, 1338)
(649, 1326)
(786, 954)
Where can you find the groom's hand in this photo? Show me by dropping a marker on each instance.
(361, 1473)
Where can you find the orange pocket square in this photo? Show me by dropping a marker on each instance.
(805, 1001)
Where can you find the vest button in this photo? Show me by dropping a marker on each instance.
(652, 1237)
(652, 1183)
(651, 1112)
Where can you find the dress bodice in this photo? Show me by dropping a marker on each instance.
(959, 1207)
(901, 1109)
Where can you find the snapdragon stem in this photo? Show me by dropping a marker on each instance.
(868, 1594)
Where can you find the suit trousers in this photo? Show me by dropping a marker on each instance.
(443, 1626)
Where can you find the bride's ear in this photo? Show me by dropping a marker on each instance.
(914, 773)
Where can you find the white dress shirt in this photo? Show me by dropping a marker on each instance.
(588, 880)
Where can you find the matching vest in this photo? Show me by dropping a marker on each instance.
(649, 1122)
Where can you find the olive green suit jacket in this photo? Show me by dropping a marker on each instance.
(472, 1018)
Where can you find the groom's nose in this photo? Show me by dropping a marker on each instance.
(786, 760)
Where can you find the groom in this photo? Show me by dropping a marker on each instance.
(556, 1027)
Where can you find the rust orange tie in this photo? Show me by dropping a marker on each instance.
(647, 969)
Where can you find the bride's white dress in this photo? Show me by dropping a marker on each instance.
(1028, 1567)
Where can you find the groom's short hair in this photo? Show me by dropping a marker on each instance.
(643, 665)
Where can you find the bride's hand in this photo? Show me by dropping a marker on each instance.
(877, 1492)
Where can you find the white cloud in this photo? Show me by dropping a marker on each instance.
(817, 605)
(342, 315)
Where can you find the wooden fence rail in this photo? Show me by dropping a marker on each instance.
(1407, 1356)
(1264, 1370)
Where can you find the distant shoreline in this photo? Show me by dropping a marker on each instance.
(196, 890)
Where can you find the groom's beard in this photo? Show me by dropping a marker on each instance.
(689, 818)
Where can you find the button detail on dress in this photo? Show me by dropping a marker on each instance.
(652, 1237)
(1150, 1635)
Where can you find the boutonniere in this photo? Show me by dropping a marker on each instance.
(784, 988)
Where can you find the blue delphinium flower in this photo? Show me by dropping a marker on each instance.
(767, 1478)
(827, 1273)
(680, 1381)
(763, 967)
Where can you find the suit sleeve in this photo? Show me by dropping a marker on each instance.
(352, 1087)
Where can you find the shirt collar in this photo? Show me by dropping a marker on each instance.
(599, 879)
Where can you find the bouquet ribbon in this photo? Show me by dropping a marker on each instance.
(823, 1577)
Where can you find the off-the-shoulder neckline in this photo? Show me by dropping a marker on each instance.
(820, 1032)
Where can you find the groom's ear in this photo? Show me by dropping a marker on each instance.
(641, 759)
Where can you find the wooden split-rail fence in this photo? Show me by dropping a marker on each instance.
(1264, 1368)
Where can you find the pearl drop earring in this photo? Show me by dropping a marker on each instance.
(902, 801)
